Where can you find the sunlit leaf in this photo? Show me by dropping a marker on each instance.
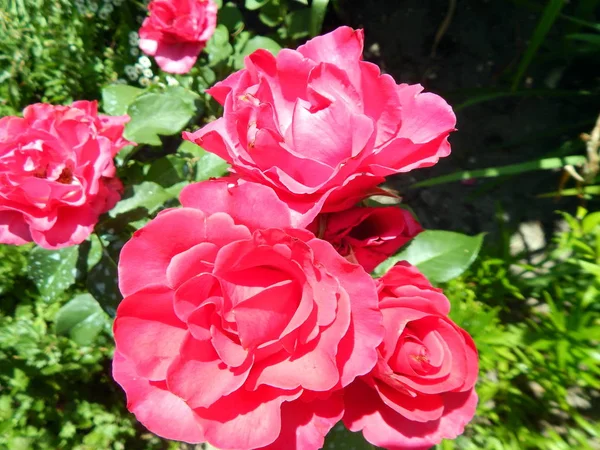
(116, 98)
(82, 319)
(439, 255)
(317, 16)
(148, 196)
(155, 114)
(53, 271)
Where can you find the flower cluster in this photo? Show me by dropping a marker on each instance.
(249, 317)
(57, 173)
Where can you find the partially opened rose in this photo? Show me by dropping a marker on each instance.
(57, 173)
(176, 31)
(235, 328)
(367, 236)
(421, 390)
(321, 126)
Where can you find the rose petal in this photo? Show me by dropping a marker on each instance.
(304, 424)
(147, 331)
(253, 205)
(199, 377)
(245, 419)
(144, 259)
(154, 406)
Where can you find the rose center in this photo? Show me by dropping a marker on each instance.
(419, 360)
(66, 176)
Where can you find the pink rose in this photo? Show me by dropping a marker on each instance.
(322, 127)
(235, 328)
(367, 236)
(176, 32)
(57, 173)
(421, 390)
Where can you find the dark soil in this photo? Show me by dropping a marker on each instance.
(480, 51)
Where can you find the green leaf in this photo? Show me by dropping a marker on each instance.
(89, 254)
(255, 4)
(102, 284)
(340, 438)
(148, 196)
(207, 77)
(586, 37)
(271, 14)
(231, 16)
(551, 12)
(591, 268)
(208, 165)
(82, 319)
(586, 190)
(491, 172)
(254, 44)
(439, 255)
(155, 114)
(53, 271)
(218, 47)
(298, 22)
(95, 253)
(590, 222)
(317, 15)
(168, 170)
(116, 98)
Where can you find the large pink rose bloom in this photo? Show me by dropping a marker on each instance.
(321, 126)
(57, 173)
(421, 390)
(176, 32)
(236, 329)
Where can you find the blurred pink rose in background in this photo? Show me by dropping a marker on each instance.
(176, 31)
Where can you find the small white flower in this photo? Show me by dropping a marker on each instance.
(117, 2)
(133, 35)
(93, 6)
(171, 81)
(144, 61)
(121, 81)
(108, 7)
(131, 72)
(134, 51)
(103, 14)
(144, 81)
(147, 73)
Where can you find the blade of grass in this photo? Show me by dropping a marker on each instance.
(492, 172)
(551, 12)
(493, 95)
(585, 37)
(583, 23)
(317, 15)
(591, 190)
